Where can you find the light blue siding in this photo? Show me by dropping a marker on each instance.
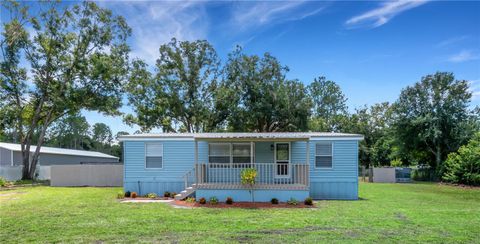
(178, 158)
(263, 152)
(339, 182)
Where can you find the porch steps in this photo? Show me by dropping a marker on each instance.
(185, 193)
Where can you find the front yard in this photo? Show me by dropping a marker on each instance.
(386, 213)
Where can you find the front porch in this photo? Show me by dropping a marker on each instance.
(293, 176)
(223, 159)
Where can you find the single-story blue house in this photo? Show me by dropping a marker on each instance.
(289, 165)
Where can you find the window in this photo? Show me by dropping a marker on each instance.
(226, 153)
(153, 155)
(241, 153)
(323, 155)
(219, 153)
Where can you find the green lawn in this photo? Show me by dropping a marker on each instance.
(386, 213)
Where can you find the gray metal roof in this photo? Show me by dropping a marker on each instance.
(55, 150)
(244, 135)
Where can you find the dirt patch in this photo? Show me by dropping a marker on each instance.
(6, 194)
(460, 186)
(401, 217)
(241, 205)
(291, 230)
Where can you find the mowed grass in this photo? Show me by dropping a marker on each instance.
(386, 213)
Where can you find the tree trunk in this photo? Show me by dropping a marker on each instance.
(41, 138)
(438, 158)
(26, 165)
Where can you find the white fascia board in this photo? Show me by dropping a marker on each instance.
(156, 139)
(337, 138)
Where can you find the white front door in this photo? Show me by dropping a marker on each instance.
(282, 160)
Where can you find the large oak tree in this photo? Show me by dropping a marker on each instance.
(179, 95)
(77, 58)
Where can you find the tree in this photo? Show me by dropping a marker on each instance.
(329, 105)
(261, 98)
(464, 166)
(101, 134)
(71, 131)
(179, 96)
(117, 150)
(78, 58)
(431, 118)
(374, 123)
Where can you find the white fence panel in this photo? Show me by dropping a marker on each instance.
(87, 175)
(13, 173)
(384, 175)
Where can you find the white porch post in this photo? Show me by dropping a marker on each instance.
(251, 152)
(307, 167)
(196, 162)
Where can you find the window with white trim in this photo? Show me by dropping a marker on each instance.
(219, 153)
(323, 155)
(226, 153)
(241, 153)
(153, 155)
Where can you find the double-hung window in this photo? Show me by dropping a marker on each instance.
(324, 155)
(241, 153)
(153, 155)
(229, 153)
(219, 153)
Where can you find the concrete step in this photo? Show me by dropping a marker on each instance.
(185, 193)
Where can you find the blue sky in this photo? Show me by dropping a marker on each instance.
(371, 49)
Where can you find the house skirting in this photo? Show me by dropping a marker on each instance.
(243, 195)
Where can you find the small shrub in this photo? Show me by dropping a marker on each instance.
(133, 195)
(229, 200)
(3, 181)
(190, 200)
(151, 195)
(128, 194)
(23, 182)
(213, 200)
(308, 201)
(166, 194)
(274, 201)
(463, 166)
(292, 201)
(172, 195)
(120, 195)
(396, 163)
(202, 200)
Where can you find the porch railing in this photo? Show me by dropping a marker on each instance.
(269, 175)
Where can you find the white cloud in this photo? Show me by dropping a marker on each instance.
(155, 23)
(463, 56)
(474, 88)
(451, 41)
(247, 15)
(381, 15)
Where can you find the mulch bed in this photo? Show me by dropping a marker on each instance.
(146, 198)
(241, 205)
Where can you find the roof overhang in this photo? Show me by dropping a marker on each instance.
(280, 136)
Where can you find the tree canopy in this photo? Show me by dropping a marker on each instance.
(263, 99)
(431, 118)
(76, 58)
(179, 96)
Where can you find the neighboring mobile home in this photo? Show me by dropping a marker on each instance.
(289, 165)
